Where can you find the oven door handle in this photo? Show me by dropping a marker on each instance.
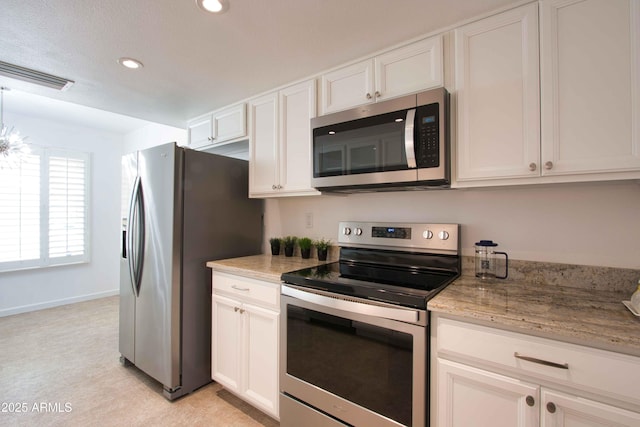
(394, 313)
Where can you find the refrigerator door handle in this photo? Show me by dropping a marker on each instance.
(140, 236)
(135, 234)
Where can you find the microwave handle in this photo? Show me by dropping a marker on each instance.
(409, 146)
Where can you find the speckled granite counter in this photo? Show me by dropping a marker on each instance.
(586, 311)
(586, 316)
(263, 267)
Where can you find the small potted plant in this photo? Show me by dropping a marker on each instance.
(305, 247)
(322, 247)
(289, 242)
(275, 245)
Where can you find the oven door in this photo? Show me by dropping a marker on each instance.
(363, 364)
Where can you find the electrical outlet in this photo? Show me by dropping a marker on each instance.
(308, 220)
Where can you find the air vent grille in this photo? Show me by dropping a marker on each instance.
(33, 76)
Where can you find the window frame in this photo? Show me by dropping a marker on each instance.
(45, 260)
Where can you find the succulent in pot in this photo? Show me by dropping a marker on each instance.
(305, 246)
(275, 245)
(289, 243)
(322, 247)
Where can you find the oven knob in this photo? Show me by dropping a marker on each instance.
(346, 231)
(358, 231)
(427, 234)
(443, 235)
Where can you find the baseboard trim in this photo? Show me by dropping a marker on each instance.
(56, 303)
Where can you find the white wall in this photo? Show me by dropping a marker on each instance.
(40, 288)
(586, 224)
(151, 135)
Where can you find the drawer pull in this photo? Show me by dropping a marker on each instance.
(551, 408)
(240, 289)
(542, 362)
(530, 401)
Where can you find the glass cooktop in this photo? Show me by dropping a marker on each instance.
(409, 286)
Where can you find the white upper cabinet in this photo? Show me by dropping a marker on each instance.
(200, 131)
(590, 86)
(574, 120)
(347, 87)
(496, 78)
(297, 107)
(280, 142)
(263, 144)
(404, 70)
(218, 127)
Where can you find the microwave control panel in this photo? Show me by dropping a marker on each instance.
(427, 136)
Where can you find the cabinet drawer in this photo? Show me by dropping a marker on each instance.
(583, 368)
(245, 289)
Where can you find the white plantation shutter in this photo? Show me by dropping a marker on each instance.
(67, 206)
(44, 210)
(20, 213)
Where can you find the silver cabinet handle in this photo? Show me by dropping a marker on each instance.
(541, 362)
(533, 167)
(548, 165)
(368, 95)
(240, 289)
(279, 187)
(273, 187)
(378, 94)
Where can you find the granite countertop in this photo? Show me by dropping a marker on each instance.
(263, 267)
(591, 317)
(577, 304)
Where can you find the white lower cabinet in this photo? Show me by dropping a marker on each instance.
(473, 397)
(564, 410)
(486, 377)
(244, 344)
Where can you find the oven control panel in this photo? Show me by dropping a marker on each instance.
(416, 236)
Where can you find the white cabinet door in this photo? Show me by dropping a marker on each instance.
(497, 85)
(263, 144)
(413, 68)
(590, 86)
(347, 87)
(280, 142)
(225, 342)
(230, 123)
(200, 132)
(469, 396)
(297, 108)
(260, 357)
(563, 410)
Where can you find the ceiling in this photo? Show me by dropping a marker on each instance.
(195, 62)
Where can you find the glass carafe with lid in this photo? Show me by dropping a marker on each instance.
(486, 260)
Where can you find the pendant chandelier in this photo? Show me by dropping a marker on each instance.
(12, 146)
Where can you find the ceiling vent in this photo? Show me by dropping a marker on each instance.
(33, 76)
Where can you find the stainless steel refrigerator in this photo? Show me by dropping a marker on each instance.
(182, 208)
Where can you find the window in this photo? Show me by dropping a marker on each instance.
(44, 210)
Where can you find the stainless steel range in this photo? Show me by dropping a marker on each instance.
(354, 333)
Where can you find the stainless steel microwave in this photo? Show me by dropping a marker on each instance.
(398, 144)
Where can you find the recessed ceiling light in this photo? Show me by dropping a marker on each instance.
(134, 64)
(213, 6)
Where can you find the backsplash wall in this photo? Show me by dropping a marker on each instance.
(587, 224)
